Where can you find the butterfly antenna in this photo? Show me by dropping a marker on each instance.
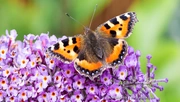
(74, 19)
(93, 15)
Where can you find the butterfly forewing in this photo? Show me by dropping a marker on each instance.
(119, 27)
(67, 49)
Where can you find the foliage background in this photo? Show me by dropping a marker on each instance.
(157, 32)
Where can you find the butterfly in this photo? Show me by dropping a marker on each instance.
(94, 51)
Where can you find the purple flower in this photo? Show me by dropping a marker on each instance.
(78, 82)
(6, 71)
(106, 78)
(77, 96)
(32, 63)
(53, 93)
(21, 60)
(46, 79)
(115, 91)
(103, 89)
(131, 61)
(28, 73)
(68, 70)
(43, 97)
(91, 89)
(3, 51)
(121, 72)
(24, 94)
(12, 36)
(12, 90)
(11, 99)
(3, 83)
(69, 87)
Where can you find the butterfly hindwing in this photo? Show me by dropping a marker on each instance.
(119, 51)
(119, 27)
(87, 68)
(67, 49)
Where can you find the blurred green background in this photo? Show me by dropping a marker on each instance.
(157, 32)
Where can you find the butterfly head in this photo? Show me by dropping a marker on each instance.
(87, 30)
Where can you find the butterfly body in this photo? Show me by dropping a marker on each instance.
(94, 51)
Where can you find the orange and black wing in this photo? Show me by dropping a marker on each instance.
(88, 64)
(67, 49)
(119, 49)
(118, 27)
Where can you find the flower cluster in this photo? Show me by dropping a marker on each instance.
(27, 73)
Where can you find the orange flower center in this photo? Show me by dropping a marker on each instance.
(103, 101)
(33, 63)
(78, 82)
(2, 51)
(45, 78)
(105, 79)
(23, 61)
(44, 95)
(63, 99)
(7, 71)
(51, 61)
(122, 73)
(13, 53)
(117, 90)
(23, 94)
(77, 96)
(68, 71)
(57, 78)
(3, 82)
(92, 89)
(13, 78)
(53, 94)
(10, 88)
(69, 87)
(12, 98)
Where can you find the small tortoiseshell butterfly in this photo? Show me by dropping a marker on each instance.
(94, 51)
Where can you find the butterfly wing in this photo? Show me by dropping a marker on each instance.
(67, 49)
(118, 52)
(118, 27)
(88, 63)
